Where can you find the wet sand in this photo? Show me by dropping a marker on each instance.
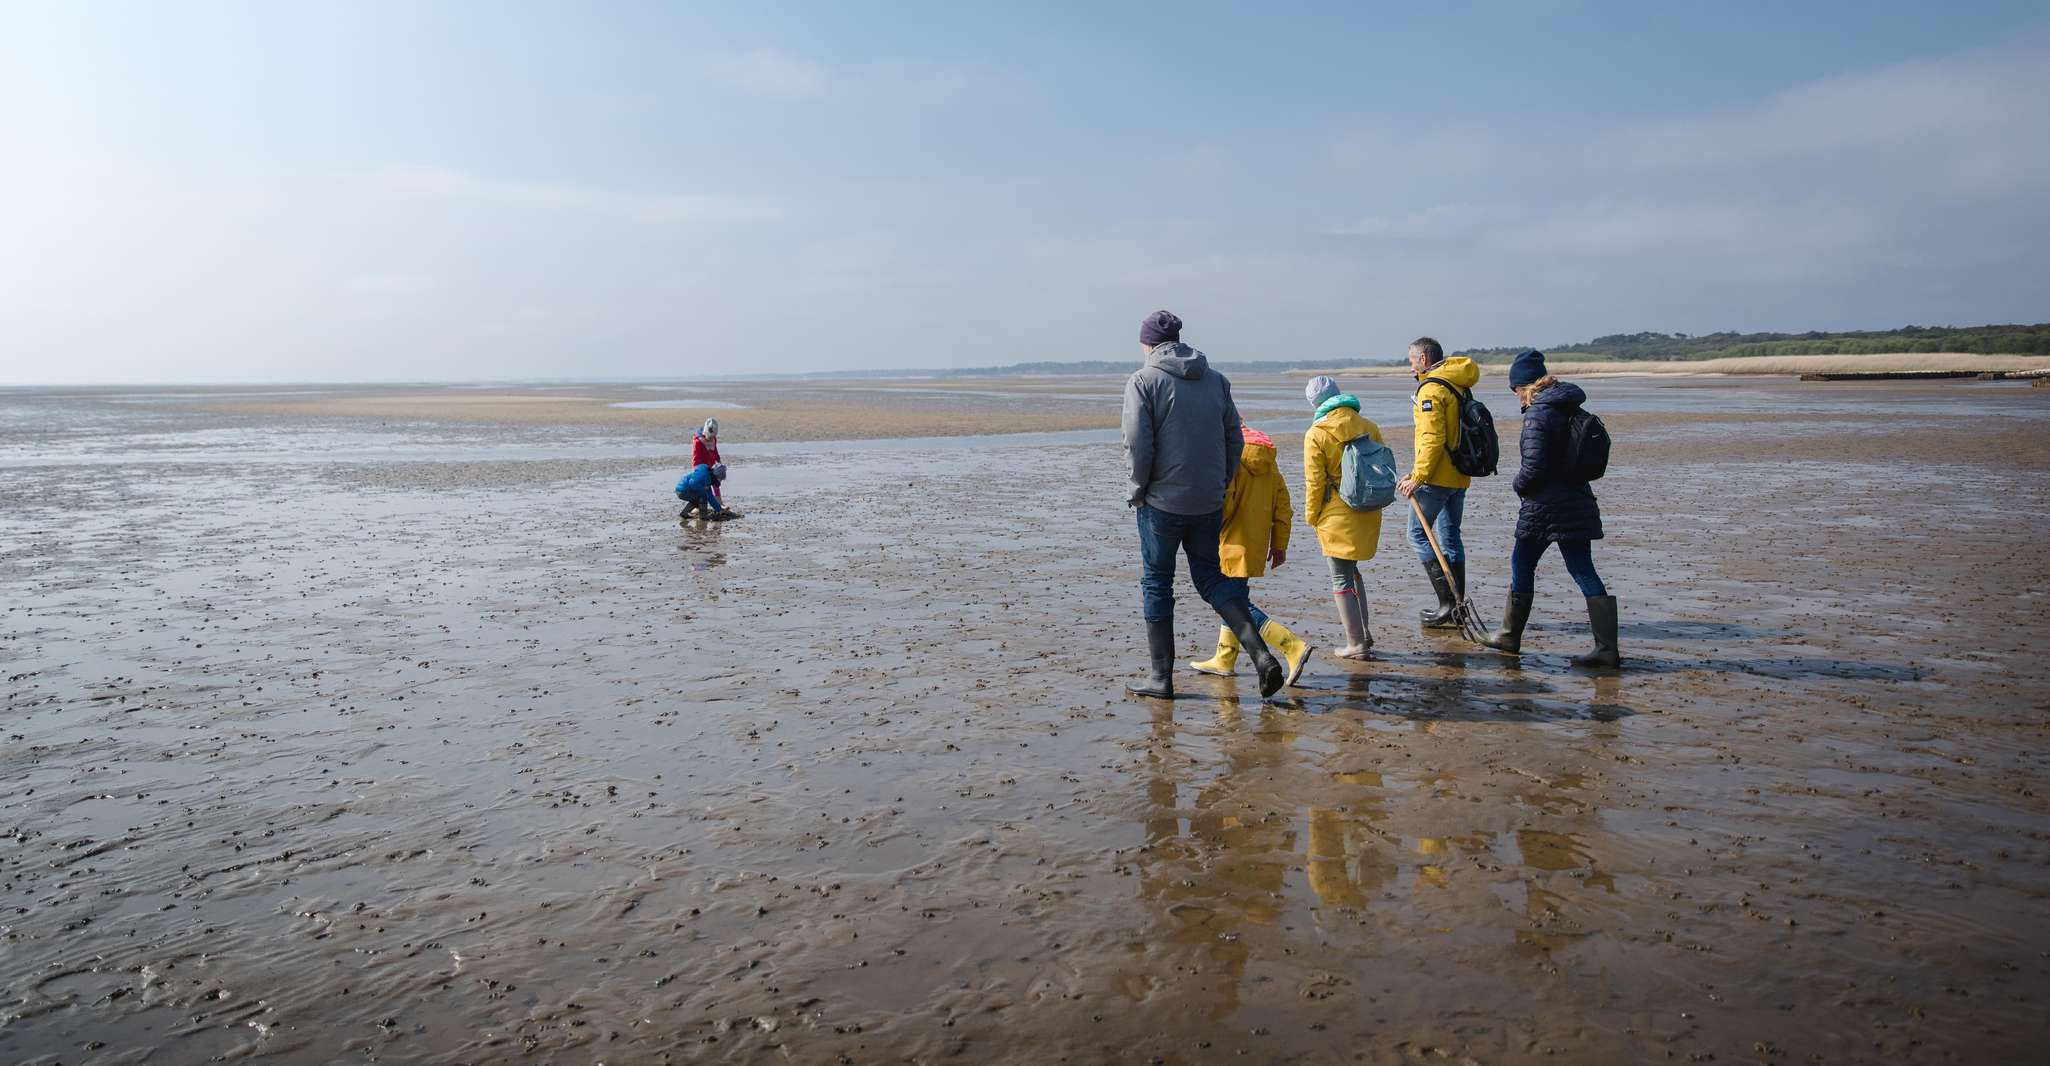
(746, 410)
(337, 736)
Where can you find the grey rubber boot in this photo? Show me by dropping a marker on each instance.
(1239, 619)
(1366, 630)
(1601, 617)
(1352, 619)
(1442, 616)
(1515, 614)
(1159, 682)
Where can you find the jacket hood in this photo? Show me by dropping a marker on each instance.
(1254, 436)
(1178, 359)
(1561, 394)
(1343, 399)
(1459, 370)
(1258, 454)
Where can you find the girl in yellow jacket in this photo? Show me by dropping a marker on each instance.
(1348, 537)
(1257, 517)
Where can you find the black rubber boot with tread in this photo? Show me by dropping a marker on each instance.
(1601, 617)
(1238, 618)
(1515, 615)
(1443, 616)
(1159, 682)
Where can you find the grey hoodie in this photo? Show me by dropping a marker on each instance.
(1182, 432)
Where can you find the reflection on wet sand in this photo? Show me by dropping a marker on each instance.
(1225, 871)
(1235, 804)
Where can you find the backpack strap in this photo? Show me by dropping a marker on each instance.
(1457, 392)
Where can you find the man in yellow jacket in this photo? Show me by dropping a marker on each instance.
(1437, 486)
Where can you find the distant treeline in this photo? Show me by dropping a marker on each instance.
(1980, 340)
(1087, 366)
(1100, 366)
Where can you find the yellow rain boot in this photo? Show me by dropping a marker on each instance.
(1227, 658)
(1295, 654)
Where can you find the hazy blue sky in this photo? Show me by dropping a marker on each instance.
(364, 190)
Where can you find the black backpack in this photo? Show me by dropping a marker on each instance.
(1478, 450)
(1587, 445)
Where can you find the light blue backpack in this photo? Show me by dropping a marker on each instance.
(1366, 474)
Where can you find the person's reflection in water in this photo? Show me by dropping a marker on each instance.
(1345, 862)
(1228, 872)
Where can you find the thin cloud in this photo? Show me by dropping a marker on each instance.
(1436, 222)
(389, 284)
(659, 208)
(1959, 100)
(771, 72)
(1825, 182)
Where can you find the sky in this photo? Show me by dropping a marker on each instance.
(441, 191)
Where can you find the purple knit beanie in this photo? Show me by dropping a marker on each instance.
(1160, 327)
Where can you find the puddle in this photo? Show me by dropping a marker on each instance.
(677, 405)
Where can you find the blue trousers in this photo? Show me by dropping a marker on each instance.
(1442, 508)
(1579, 556)
(1243, 589)
(1161, 534)
(705, 500)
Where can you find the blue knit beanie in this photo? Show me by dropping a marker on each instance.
(1159, 328)
(1320, 389)
(1528, 367)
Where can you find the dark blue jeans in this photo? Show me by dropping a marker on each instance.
(1161, 534)
(1579, 556)
(1243, 589)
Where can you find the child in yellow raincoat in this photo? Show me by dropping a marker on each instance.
(1257, 516)
(1348, 537)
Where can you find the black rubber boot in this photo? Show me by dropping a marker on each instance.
(1515, 614)
(1445, 615)
(1239, 619)
(1601, 617)
(1159, 682)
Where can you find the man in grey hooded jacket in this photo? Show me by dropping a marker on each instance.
(1183, 439)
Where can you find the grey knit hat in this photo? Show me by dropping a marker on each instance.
(1320, 389)
(718, 472)
(710, 428)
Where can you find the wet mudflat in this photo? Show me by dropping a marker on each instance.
(329, 738)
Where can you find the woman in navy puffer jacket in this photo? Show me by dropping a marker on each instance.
(1558, 508)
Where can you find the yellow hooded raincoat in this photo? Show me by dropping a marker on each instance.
(1342, 532)
(1257, 512)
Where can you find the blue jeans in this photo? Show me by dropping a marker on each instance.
(1443, 508)
(1242, 589)
(1161, 534)
(1579, 556)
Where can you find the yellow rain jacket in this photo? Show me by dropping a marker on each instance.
(1257, 512)
(1342, 532)
(1436, 411)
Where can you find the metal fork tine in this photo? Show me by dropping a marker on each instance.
(1471, 626)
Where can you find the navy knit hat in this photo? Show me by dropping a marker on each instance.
(1528, 367)
(1160, 327)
